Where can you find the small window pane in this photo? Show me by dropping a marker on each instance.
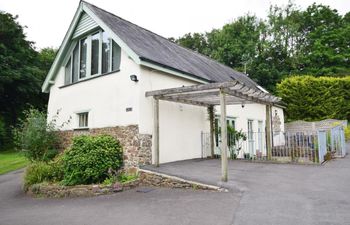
(83, 56)
(75, 63)
(115, 57)
(83, 119)
(105, 53)
(94, 53)
(67, 72)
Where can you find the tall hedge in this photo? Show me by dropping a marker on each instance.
(315, 98)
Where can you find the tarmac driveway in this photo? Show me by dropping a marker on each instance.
(157, 207)
(278, 194)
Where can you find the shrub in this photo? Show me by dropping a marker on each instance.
(90, 159)
(2, 133)
(315, 98)
(36, 137)
(347, 133)
(39, 172)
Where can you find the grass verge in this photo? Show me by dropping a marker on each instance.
(11, 160)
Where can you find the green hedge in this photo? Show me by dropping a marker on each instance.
(315, 98)
(91, 159)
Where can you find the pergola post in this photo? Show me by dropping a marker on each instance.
(212, 129)
(223, 137)
(156, 130)
(268, 132)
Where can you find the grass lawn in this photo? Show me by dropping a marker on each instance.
(11, 160)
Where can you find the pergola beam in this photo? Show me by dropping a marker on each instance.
(200, 87)
(223, 136)
(156, 130)
(184, 101)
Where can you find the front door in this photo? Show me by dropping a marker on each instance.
(260, 137)
(250, 139)
(230, 121)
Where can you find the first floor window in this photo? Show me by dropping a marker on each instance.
(83, 120)
(83, 57)
(93, 55)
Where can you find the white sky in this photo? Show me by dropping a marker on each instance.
(48, 20)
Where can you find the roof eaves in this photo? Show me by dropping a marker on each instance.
(60, 54)
(187, 75)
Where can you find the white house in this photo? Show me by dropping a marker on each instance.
(105, 66)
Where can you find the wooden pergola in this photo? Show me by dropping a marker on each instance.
(210, 95)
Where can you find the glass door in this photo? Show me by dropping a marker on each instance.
(250, 139)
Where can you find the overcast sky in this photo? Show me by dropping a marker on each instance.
(48, 20)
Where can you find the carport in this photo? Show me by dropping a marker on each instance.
(210, 95)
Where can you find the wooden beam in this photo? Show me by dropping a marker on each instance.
(199, 87)
(223, 136)
(243, 96)
(184, 101)
(212, 128)
(268, 132)
(193, 95)
(156, 130)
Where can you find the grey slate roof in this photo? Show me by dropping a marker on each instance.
(159, 50)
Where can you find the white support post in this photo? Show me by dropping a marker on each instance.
(223, 137)
(156, 131)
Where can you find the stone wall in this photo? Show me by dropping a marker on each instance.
(304, 126)
(137, 148)
(59, 191)
(150, 178)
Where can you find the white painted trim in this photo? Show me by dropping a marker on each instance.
(173, 72)
(57, 61)
(110, 33)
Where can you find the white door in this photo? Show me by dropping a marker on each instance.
(230, 122)
(260, 137)
(250, 138)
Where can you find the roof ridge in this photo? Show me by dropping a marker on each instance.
(187, 49)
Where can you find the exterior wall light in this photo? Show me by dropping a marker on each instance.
(133, 78)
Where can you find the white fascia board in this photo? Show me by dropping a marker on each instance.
(115, 37)
(56, 63)
(173, 72)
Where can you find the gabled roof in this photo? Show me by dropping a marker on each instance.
(157, 49)
(148, 48)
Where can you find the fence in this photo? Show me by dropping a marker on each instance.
(297, 147)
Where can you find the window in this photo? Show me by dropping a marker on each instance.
(83, 57)
(105, 53)
(95, 48)
(83, 119)
(93, 55)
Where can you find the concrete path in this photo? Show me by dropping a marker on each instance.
(278, 194)
(158, 207)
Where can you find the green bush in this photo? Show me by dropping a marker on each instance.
(36, 137)
(347, 133)
(2, 133)
(315, 98)
(38, 172)
(90, 159)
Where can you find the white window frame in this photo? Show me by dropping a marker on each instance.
(88, 55)
(79, 114)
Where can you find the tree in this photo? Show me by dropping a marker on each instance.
(22, 71)
(289, 42)
(195, 41)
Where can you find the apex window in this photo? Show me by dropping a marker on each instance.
(93, 55)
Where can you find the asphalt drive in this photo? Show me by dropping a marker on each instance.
(260, 194)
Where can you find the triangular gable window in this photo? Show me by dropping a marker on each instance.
(95, 54)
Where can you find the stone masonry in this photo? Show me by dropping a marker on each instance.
(137, 148)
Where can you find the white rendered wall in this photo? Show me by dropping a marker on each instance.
(180, 125)
(105, 98)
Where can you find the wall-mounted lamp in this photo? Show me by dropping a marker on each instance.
(133, 78)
